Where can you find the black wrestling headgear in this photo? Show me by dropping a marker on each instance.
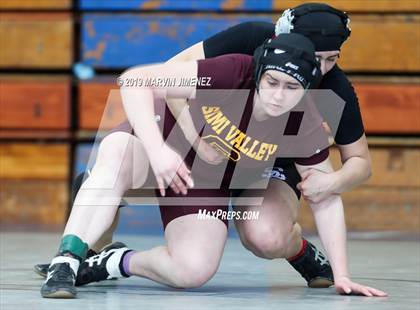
(290, 53)
(326, 27)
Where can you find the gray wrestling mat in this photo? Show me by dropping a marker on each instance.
(242, 282)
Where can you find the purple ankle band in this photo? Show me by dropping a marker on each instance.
(126, 262)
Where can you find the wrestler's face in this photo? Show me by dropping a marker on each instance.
(278, 93)
(327, 60)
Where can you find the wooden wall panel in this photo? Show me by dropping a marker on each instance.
(382, 43)
(32, 102)
(375, 208)
(100, 104)
(35, 4)
(365, 6)
(389, 200)
(34, 161)
(36, 40)
(397, 104)
(33, 183)
(391, 166)
(33, 202)
(389, 108)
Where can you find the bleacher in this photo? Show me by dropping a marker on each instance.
(47, 114)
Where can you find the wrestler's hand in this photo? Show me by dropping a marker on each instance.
(317, 186)
(169, 168)
(345, 286)
(207, 153)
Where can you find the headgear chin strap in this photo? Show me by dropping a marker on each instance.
(292, 54)
(318, 22)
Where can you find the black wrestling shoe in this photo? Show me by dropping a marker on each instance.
(103, 266)
(314, 266)
(42, 269)
(60, 282)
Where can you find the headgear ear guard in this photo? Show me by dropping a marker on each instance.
(288, 22)
(266, 54)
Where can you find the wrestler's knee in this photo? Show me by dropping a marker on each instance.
(194, 270)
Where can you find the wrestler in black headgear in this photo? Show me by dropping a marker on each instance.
(326, 27)
(290, 53)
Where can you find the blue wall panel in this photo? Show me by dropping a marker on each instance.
(83, 152)
(123, 40)
(181, 5)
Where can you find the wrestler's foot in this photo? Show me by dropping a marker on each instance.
(103, 266)
(42, 269)
(60, 282)
(313, 265)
